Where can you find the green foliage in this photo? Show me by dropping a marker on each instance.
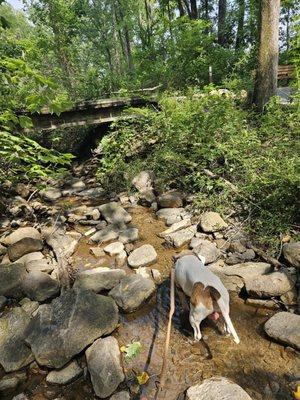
(131, 351)
(211, 132)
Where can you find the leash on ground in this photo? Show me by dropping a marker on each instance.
(162, 376)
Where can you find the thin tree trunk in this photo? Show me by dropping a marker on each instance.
(222, 22)
(187, 5)
(240, 30)
(194, 9)
(181, 8)
(266, 78)
(288, 29)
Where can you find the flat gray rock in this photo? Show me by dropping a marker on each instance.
(50, 194)
(284, 327)
(11, 280)
(129, 235)
(3, 302)
(24, 246)
(40, 265)
(10, 382)
(184, 223)
(113, 213)
(291, 252)
(39, 286)
(92, 192)
(142, 256)
(120, 396)
(132, 292)
(182, 237)
(20, 234)
(65, 375)
(110, 232)
(208, 250)
(14, 353)
(212, 222)
(217, 388)
(274, 284)
(143, 181)
(59, 241)
(166, 213)
(65, 327)
(104, 364)
(113, 249)
(37, 255)
(98, 279)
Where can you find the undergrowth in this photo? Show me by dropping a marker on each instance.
(254, 157)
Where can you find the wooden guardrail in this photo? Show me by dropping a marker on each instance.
(285, 72)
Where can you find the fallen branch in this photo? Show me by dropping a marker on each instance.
(168, 334)
(269, 259)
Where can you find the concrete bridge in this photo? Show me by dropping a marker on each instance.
(95, 112)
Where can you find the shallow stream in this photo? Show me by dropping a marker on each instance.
(262, 367)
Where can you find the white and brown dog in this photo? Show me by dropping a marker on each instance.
(207, 293)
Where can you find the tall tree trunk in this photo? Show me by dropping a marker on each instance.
(187, 6)
(222, 22)
(240, 30)
(181, 8)
(194, 9)
(266, 77)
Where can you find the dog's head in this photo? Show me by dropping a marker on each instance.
(201, 305)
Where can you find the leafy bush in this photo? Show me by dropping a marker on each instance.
(256, 154)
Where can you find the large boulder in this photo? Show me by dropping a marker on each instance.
(212, 222)
(142, 256)
(11, 280)
(235, 276)
(284, 327)
(14, 354)
(132, 292)
(20, 234)
(39, 286)
(171, 199)
(274, 284)
(208, 250)
(65, 327)
(24, 246)
(291, 252)
(65, 375)
(113, 213)
(98, 279)
(50, 194)
(104, 364)
(182, 237)
(217, 388)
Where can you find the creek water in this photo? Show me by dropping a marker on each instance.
(262, 367)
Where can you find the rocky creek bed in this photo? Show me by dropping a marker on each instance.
(84, 273)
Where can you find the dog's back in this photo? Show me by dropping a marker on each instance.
(189, 269)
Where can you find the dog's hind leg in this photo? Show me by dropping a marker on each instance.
(230, 328)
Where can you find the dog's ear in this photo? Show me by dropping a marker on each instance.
(215, 294)
(197, 293)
